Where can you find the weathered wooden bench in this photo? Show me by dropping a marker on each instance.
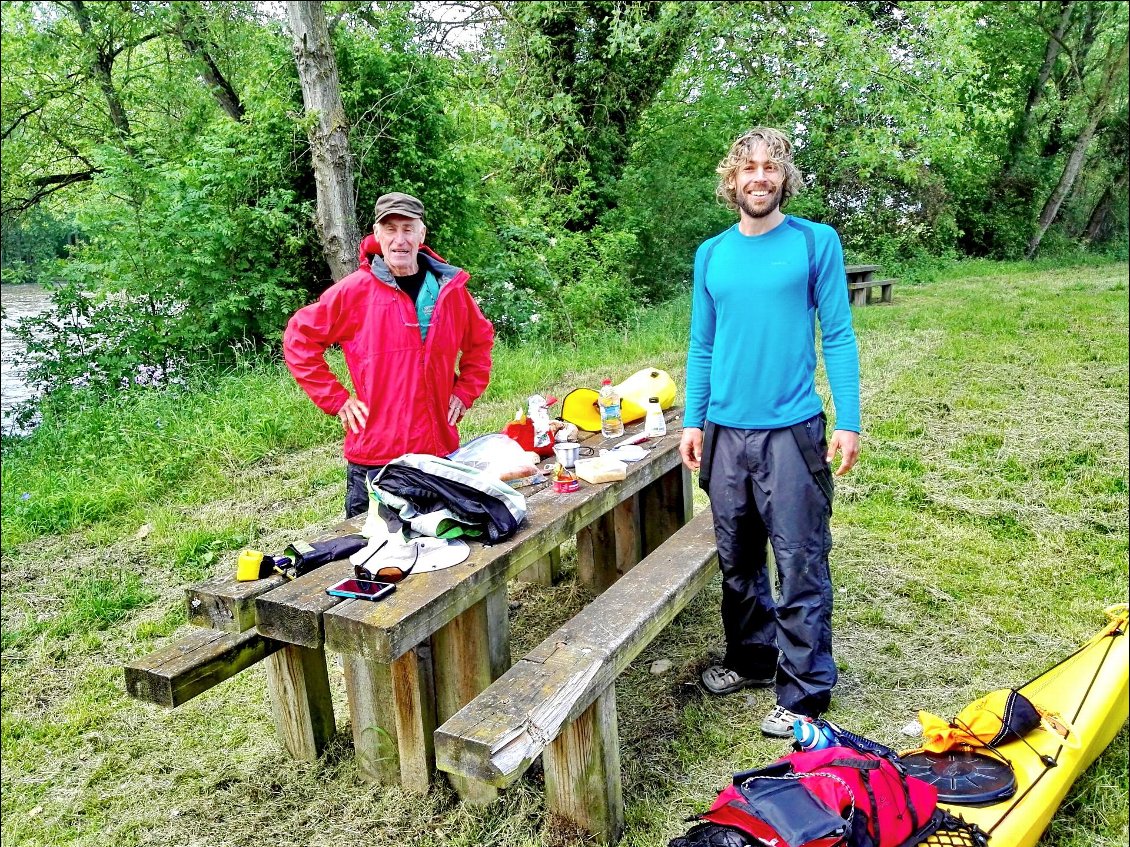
(861, 281)
(860, 292)
(191, 665)
(228, 643)
(559, 701)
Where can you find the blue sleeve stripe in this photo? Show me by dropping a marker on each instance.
(709, 253)
(810, 243)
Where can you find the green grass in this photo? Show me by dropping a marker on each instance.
(977, 541)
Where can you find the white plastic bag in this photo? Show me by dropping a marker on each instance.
(495, 454)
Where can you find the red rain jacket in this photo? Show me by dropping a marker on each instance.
(406, 383)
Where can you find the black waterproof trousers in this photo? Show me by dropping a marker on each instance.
(763, 490)
(356, 491)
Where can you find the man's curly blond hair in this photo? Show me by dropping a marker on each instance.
(780, 150)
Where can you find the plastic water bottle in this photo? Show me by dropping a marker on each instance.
(654, 426)
(812, 735)
(611, 421)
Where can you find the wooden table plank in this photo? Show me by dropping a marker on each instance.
(227, 604)
(384, 631)
(293, 611)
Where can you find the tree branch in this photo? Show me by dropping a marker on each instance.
(218, 84)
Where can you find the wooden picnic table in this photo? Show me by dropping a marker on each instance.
(415, 658)
(861, 280)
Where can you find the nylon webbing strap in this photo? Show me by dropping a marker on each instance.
(817, 466)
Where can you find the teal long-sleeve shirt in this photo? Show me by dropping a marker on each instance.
(751, 362)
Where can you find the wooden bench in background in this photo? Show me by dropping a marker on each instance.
(559, 701)
(861, 281)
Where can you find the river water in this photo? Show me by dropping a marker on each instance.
(19, 301)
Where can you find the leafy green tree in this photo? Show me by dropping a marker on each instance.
(871, 94)
(581, 75)
(1056, 84)
(191, 221)
(402, 136)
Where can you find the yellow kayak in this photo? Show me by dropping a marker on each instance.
(1089, 690)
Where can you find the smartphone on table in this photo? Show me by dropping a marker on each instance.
(361, 589)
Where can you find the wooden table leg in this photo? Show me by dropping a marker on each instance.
(303, 711)
(462, 651)
(596, 553)
(582, 771)
(414, 700)
(372, 711)
(610, 546)
(665, 506)
(394, 718)
(629, 541)
(545, 571)
(498, 632)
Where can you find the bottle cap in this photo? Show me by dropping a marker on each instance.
(652, 399)
(606, 381)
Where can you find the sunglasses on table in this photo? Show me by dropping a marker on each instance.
(384, 573)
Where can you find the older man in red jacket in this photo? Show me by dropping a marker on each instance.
(403, 319)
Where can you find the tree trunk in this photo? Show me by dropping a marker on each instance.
(1036, 91)
(1099, 215)
(329, 136)
(1115, 62)
(222, 90)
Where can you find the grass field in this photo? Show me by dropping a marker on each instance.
(977, 541)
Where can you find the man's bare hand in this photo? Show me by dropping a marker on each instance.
(353, 415)
(455, 410)
(690, 447)
(846, 443)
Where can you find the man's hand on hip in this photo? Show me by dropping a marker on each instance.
(846, 443)
(690, 447)
(455, 410)
(353, 415)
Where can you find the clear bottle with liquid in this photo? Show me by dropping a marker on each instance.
(654, 426)
(611, 419)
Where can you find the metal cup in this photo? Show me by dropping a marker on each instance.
(567, 452)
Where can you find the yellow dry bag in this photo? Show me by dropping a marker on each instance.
(580, 405)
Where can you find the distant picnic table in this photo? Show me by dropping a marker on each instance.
(861, 281)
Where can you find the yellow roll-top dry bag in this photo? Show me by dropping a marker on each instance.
(580, 405)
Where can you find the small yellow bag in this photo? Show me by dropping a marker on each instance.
(992, 720)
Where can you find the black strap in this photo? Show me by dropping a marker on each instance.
(858, 764)
(874, 806)
(817, 464)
